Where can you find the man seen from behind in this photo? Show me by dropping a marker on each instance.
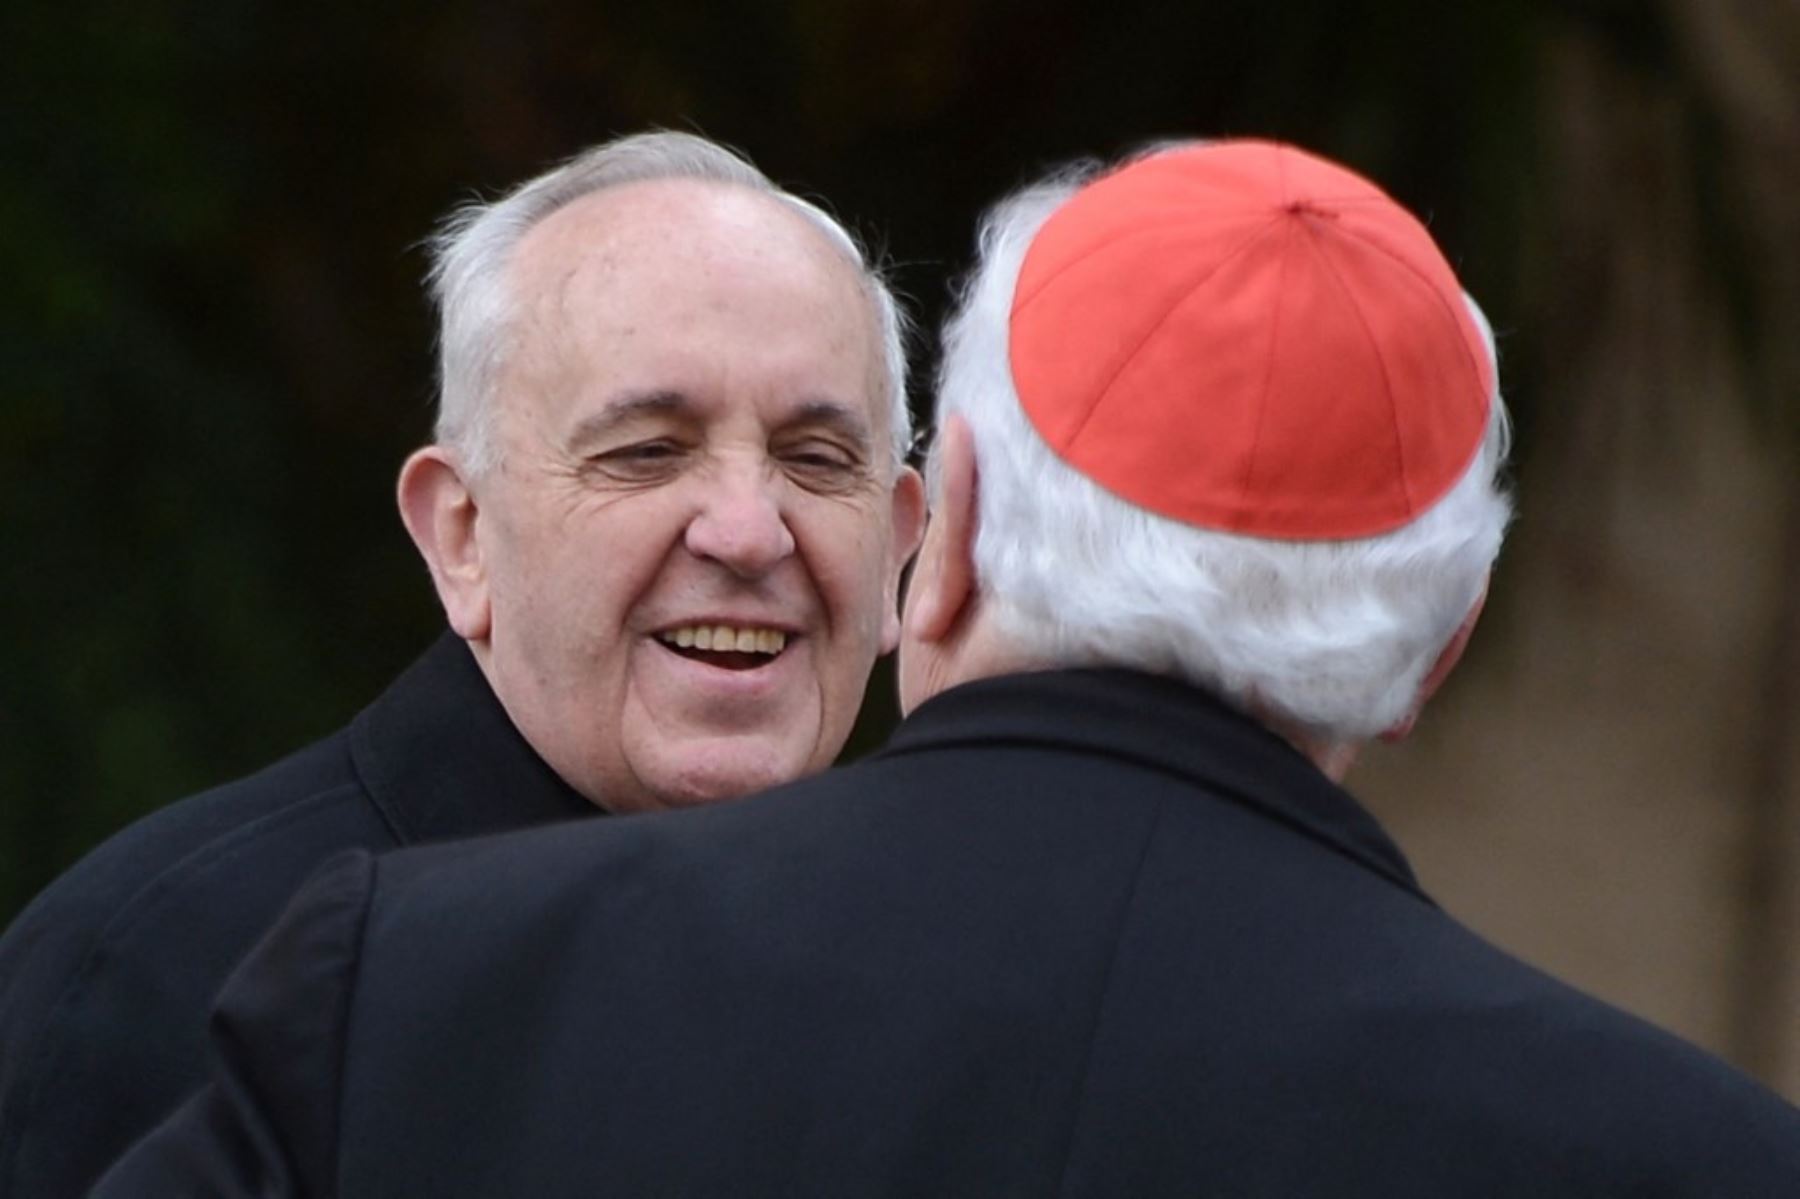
(1216, 500)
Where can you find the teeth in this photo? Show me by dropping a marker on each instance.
(726, 637)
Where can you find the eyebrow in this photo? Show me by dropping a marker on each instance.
(630, 406)
(625, 408)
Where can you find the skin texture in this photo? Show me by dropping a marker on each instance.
(693, 432)
(944, 613)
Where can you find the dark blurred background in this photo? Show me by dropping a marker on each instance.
(216, 352)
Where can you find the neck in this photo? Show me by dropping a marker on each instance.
(1333, 758)
(976, 649)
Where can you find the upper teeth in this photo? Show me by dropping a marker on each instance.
(726, 637)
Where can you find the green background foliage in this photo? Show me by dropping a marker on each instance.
(216, 351)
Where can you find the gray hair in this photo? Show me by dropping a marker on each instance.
(1333, 636)
(472, 248)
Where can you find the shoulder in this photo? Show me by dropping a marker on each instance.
(1664, 1109)
(520, 885)
(151, 920)
(827, 858)
(1602, 1098)
(178, 843)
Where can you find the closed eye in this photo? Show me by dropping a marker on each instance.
(643, 452)
(822, 465)
(641, 461)
(823, 459)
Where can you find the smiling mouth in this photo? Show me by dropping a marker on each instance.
(729, 647)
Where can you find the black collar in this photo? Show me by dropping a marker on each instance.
(442, 759)
(1169, 726)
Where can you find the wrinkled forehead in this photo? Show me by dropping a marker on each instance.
(667, 263)
(634, 234)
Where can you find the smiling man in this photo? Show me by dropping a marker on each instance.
(674, 552)
(1100, 920)
(665, 513)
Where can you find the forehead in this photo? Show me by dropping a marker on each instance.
(690, 286)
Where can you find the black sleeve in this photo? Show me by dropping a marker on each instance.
(266, 1122)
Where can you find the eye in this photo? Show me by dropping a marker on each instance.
(641, 461)
(821, 465)
(823, 459)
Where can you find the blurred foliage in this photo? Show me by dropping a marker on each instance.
(216, 349)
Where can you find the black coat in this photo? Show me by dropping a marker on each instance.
(1073, 934)
(106, 979)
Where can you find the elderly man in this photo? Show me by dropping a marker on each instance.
(1215, 502)
(666, 516)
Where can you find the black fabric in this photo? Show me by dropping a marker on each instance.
(1074, 934)
(107, 977)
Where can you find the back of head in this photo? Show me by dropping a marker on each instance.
(1234, 421)
(473, 248)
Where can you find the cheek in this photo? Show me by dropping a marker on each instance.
(851, 572)
(571, 584)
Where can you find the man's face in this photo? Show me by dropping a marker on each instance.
(691, 546)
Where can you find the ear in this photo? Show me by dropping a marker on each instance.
(441, 514)
(1440, 670)
(908, 516)
(944, 580)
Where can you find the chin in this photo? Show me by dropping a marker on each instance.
(727, 780)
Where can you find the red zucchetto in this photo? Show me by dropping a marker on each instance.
(1245, 337)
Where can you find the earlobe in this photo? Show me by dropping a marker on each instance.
(944, 580)
(441, 515)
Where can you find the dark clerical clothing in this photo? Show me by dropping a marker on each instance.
(107, 978)
(1079, 933)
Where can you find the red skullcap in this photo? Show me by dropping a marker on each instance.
(1244, 337)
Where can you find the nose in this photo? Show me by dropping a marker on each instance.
(740, 524)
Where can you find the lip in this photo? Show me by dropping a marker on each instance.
(755, 683)
(696, 670)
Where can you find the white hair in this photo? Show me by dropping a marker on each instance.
(1333, 636)
(472, 249)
